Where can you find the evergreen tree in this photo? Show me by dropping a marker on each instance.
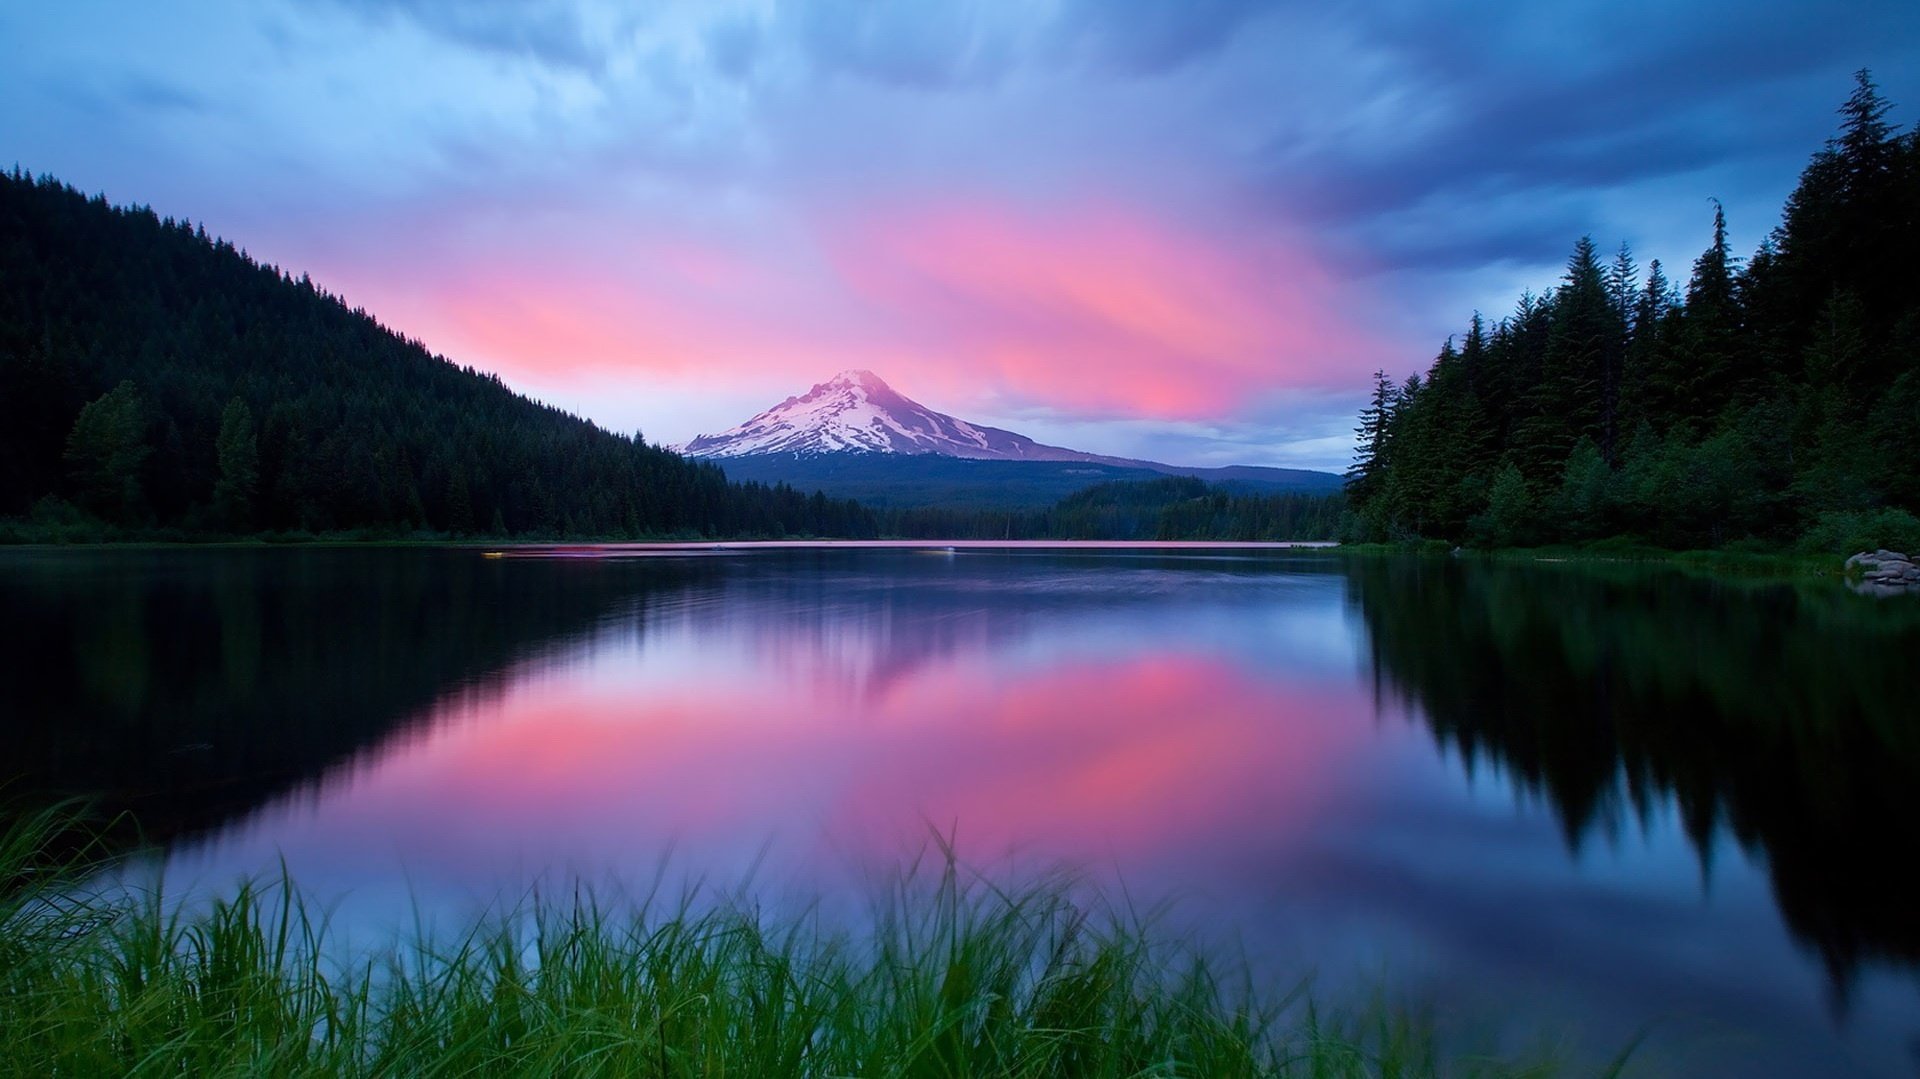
(1375, 423)
(1768, 398)
(459, 503)
(1572, 397)
(1709, 330)
(104, 452)
(1508, 520)
(317, 417)
(1623, 284)
(239, 454)
(1649, 378)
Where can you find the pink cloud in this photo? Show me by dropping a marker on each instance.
(1103, 309)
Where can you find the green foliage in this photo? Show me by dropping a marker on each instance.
(1508, 520)
(104, 452)
(1773, 394)
(1845, 533)
(1587, 497)
(265, 403)
(1171, 508)
(239, 456)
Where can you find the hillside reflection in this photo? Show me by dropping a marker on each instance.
(1780, 716)
(190, 686)
(386, 720)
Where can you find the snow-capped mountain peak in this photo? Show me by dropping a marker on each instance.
(856, 412)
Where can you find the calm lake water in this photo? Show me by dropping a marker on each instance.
(1584, 802)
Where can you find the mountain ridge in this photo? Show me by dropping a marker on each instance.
(857, 413)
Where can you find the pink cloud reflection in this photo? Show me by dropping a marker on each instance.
(1133, 763)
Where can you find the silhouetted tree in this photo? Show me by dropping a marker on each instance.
(1770, 398)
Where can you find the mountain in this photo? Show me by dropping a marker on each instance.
(856, 412)
(155, 381)
(854, 436)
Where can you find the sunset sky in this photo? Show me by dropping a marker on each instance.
(1187, 231)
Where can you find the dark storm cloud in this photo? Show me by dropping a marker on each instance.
(1589, 100)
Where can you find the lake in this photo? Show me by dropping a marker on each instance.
(1561, 804)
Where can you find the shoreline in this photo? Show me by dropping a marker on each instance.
(1716, 562)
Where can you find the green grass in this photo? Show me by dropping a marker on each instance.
(955, 977)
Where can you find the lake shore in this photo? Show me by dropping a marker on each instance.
(1723, 562)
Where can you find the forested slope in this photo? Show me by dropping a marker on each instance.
(1773, 399)
(155, 381)
(1168, 508)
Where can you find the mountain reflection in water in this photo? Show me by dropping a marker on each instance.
(1618, 796)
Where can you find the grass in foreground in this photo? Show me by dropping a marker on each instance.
(955, 978)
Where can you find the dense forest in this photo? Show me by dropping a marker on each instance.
(1771, 400)
(157, 382)
(1175, 508)
(1768, 720)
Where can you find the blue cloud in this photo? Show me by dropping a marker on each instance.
(1148, 37)
(549, 31)
(1585, 98)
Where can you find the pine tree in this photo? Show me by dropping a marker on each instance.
(238, 451)
(365, 425)
(1569, 400)
(1709, 329)
(105, 450)
(460, 504)
(1623, 283)
(1370, 457)
(1771, 394)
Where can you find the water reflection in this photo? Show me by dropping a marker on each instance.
(1778, 717)
(1625, 797)
(189, 686)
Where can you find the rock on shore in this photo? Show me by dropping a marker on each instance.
(1885, 573)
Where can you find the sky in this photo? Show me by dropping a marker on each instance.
(1185, 230)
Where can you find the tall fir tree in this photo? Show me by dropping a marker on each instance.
(1765, 401)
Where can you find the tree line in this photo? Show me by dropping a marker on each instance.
(1770, 400)
(1175, 508)
(156, 381)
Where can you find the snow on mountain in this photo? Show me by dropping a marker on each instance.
(855, 412)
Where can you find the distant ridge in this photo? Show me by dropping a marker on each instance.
(855, 436)
(857, 412)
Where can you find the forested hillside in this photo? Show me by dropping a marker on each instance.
(1771, 399)
(1174, 508)
(157, 381)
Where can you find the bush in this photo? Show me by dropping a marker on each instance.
(1507, 521)
(1863, 530)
